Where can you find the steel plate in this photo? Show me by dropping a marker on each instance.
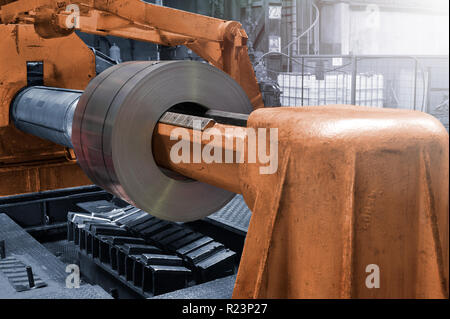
(114, 124)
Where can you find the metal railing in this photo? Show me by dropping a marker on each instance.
(408, 82)
(294, 47)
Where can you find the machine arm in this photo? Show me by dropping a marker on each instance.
(221, 43)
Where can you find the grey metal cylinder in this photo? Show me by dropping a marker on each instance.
(114, 124)
(46, 113)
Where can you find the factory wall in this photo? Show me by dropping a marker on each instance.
(399, 33)
(372, 29)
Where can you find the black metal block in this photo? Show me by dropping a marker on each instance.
(146, 224)
(204, 252)
(88, 240)
(194, 245)
(104, 253)
(163, 279)
(153, 230)
(108, 230)
(113, 257)
(130, 215)
(120, 240)
(176, 236)
(121, 261)
(95, 247)
(162, 260)
(138, 273)
(97, 207)
(70, 235)
(143, 218)
(130, 267)
(219, 265)
(132, 249)
(2, 249)
(165, 233)
(177, 244)
(82, 238)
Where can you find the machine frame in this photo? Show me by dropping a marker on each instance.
(37, 32)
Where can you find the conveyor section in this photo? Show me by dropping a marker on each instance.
(21, 251)
(150, 256)
(234, 216)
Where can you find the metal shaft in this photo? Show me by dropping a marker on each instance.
(46, 113)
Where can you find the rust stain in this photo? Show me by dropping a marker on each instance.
(15, 35)
(349, 237)
(426, 168)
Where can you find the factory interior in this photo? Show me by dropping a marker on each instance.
(94, 206)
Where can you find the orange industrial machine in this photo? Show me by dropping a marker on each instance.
(355, 188)
(34, 34)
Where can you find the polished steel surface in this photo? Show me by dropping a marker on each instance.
(186, 121)
(114, 124)
(46, 112)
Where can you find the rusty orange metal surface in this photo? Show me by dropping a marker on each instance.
(222, 175)
(29, 164)
(355, 187)
(37, 31)
(221, 43)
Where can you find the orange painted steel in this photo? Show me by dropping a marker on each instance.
(36, 31)
(222, 175)
(27, 163)
(222, 43)
(355, 187)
